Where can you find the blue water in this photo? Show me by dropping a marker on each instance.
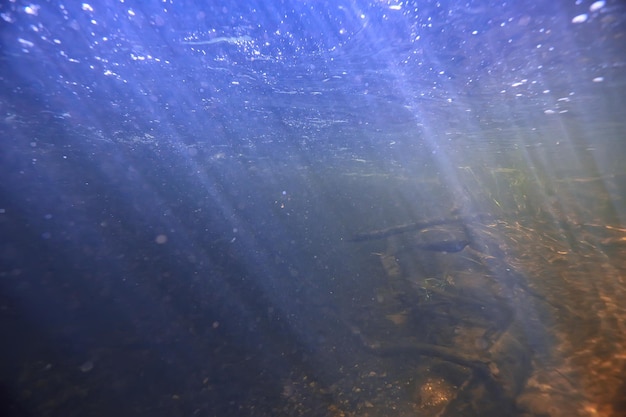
(182, 182)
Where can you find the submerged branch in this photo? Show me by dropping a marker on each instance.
(396, 230)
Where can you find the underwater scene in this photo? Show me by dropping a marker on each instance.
(313, 208)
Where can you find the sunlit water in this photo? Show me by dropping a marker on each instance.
(383, 210)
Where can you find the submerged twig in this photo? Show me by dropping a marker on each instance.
(395, 230)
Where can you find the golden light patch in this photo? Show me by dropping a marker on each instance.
(397, 319)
